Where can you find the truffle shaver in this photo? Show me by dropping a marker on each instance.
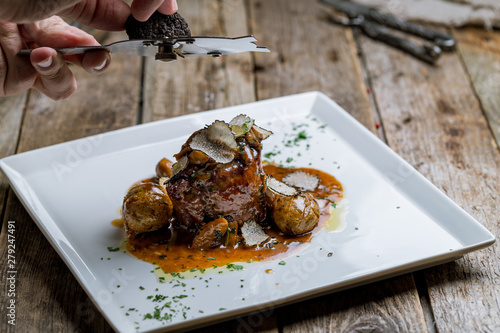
(167, 49)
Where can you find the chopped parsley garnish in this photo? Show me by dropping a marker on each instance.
(159, 298)
(176, 274)
(334, 205)
(218, 235)
(245, 125)
(282, 263)
(233, 266)
(269, 155)
(113, 249)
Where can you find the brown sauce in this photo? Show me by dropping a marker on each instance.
(168, 249)
(117, 223)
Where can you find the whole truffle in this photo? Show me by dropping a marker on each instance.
(295, 215)
(158, 26)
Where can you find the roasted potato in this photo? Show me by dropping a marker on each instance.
(295, 215)
(146, 207)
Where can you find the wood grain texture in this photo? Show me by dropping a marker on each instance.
(101, 104)
(255, 322)
(378, 307)
(310, 54)
(433, 119)
(11, 115)
(48, 296)
(480, 52)
(201, 83)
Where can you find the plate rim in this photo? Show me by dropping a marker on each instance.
(11, 174)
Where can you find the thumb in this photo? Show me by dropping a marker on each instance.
(54, 32)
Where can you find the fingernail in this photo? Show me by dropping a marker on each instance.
(45, 63)
(101, 66)
(175, 6)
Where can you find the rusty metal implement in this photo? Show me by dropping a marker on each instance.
(374, 24)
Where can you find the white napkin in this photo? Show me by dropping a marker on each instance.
(454, 13)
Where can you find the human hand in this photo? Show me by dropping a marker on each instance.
(99, 14)
(45, 69)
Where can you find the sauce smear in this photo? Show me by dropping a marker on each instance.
(169, 249)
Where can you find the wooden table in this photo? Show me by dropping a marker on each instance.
(444, 120)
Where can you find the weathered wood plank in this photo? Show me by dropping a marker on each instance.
(255, 322)
(480, 52)
(310, 54)
(48, 296)
(11, 115)
(433, 119)
(200, 83)
(386, 306)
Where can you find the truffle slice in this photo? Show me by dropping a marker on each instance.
(241, 124)
(179, 165)
(217, 141)
(262, 133)
(277, 187)
(253, 234)
(302, 180)
(158, 26)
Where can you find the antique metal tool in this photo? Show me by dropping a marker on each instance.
(373, 23)
(167, 49)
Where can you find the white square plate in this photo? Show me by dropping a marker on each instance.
(396, 221)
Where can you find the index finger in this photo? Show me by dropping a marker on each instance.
(55, 33)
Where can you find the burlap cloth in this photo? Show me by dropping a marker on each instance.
(454, 13)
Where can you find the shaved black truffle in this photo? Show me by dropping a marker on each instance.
(158, 26)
